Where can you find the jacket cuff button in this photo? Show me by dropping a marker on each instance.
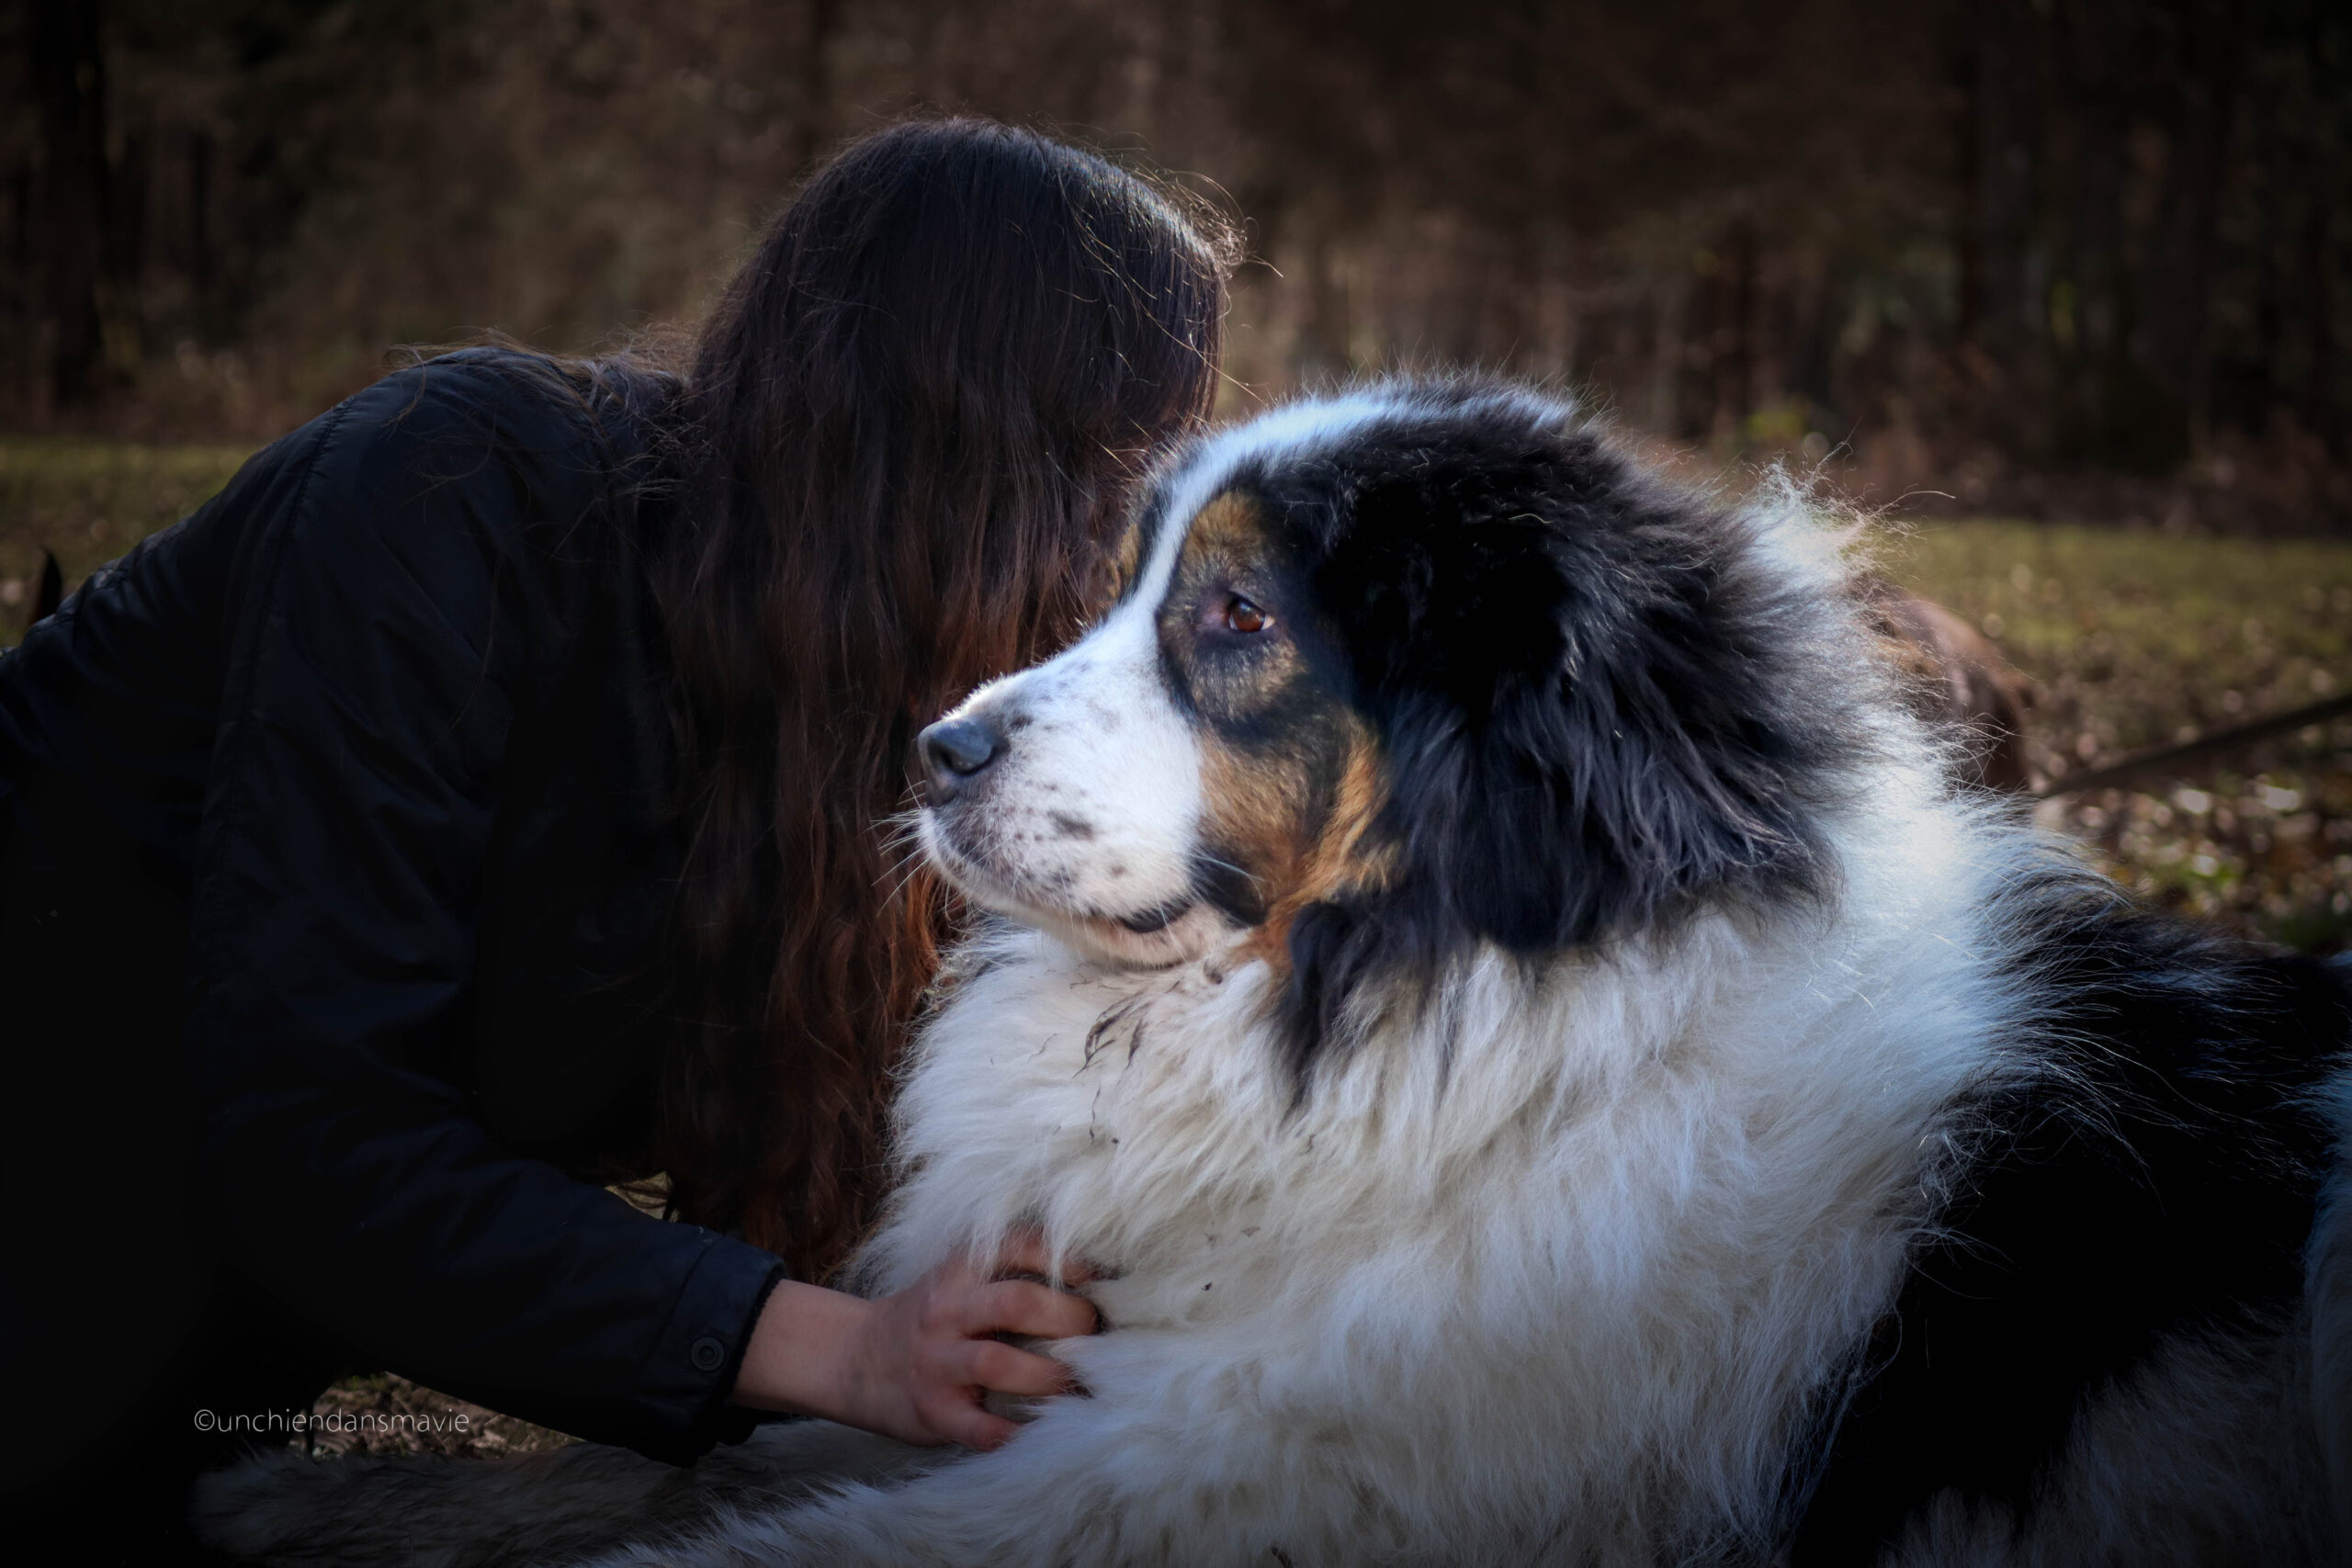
(707, 1354)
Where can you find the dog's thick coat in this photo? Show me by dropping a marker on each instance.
(1553, 1072)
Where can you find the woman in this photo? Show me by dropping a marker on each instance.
(482, 800)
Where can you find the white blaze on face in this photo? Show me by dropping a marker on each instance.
(1086, 822)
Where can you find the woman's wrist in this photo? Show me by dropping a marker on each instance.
(799, 1347)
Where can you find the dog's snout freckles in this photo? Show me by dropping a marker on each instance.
(1075, 794)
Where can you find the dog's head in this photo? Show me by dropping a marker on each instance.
(1393, 676)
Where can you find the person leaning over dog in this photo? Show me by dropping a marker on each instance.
(483, 799)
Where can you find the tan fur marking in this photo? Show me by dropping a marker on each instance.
(1230, 526)
(1304, 862)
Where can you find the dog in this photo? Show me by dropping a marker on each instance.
(1485, 959)
(1960, 681)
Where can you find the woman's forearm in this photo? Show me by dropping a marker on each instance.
(798, 1348)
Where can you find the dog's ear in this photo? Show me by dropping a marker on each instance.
(1588, 692)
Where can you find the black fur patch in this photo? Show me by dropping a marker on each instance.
(1595, 709)
(2152, 1173)
(1219, 881)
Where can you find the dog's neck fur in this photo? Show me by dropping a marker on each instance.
(1683, 1202)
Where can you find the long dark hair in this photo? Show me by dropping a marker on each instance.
(905, 433)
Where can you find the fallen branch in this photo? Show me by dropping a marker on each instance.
(2171, 759)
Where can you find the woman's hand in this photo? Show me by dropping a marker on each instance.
(913, 1366)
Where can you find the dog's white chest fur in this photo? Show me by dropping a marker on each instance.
(1561, 1227)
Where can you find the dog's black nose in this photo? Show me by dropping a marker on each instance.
(955, 751)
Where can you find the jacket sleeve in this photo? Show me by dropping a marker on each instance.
(385, 626)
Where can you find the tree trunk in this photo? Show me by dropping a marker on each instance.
(2179, 352)
(2319, 385)
(815, 132)
(68, 80)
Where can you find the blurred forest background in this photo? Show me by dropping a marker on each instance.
(2050, 256)
(2063, 282)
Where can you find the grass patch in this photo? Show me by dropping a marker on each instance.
(90, 500)
(2139, 639)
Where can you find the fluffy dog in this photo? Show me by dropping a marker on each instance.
(1496, 972)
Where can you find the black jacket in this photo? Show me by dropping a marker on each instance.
(384, 714)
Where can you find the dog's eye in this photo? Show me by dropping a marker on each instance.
(1241, 615)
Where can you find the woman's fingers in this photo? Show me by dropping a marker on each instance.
(960, 1420)
(937, 1348)
(1025, 1252)
(993, 1364)
(950, 1408)
(1018, 1306)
